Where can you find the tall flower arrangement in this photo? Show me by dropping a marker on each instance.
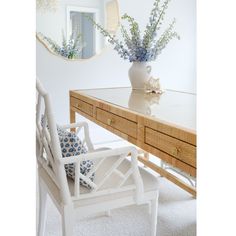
(69, 49)
(136, 48)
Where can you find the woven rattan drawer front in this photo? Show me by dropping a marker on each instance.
(174, 147)
(82, 106)
(117, 122)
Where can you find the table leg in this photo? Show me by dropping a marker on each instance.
(72, 119)
(145, 155)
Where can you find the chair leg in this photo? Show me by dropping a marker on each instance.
(67, 221)
(42, 210)
(154, 206)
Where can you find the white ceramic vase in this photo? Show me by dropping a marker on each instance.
(139, 73)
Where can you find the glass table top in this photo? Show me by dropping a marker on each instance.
(178, 108)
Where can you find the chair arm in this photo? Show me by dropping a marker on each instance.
(74, 125)
(99, 154)
(106, 154)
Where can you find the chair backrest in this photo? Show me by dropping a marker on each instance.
(47, 142)
(49, 157)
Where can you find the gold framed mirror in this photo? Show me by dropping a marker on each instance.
(67, 31)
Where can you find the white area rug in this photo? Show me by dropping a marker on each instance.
(176, 217)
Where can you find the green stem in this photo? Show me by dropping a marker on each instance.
(159, 17)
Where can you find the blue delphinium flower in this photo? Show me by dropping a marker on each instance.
(146, 48)
(70, 49)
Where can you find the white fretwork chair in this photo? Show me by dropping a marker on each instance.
(118, 180)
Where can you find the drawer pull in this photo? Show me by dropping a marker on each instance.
(78, 105)
(110, 121)
(176, 151)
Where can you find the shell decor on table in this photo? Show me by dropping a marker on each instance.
(140, 49)
(153, 86)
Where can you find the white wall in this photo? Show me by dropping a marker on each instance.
(176, 66)
(52, 23)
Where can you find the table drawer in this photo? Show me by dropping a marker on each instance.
(174, 147)
(125, 126)
(81, 105)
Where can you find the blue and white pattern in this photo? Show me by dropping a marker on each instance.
(71, 145)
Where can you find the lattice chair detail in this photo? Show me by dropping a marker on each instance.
(118, 181)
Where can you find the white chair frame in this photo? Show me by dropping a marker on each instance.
(54, 182)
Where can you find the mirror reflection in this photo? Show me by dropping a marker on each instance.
(69, 33)
(143, 102)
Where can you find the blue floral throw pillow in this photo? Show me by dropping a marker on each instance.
(71, 145)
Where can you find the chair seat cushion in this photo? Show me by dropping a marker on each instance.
(149, 181)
